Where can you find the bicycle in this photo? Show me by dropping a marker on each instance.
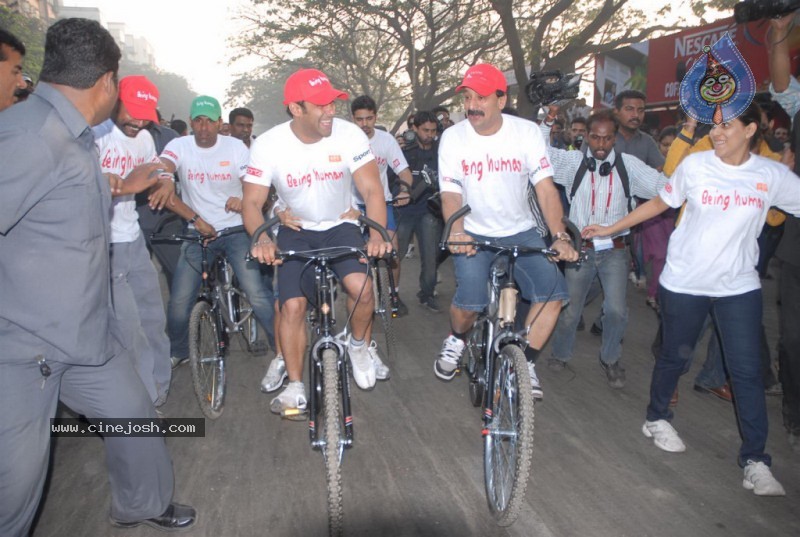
(329, 379)
(221, 310)
(499, 380)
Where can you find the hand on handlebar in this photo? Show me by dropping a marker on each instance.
(377, 247)
(460, 236)
(264, 251)
(565, 251)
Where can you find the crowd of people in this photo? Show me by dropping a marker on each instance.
(91, 170)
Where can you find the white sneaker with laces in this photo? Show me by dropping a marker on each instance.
(664, 436)
(536, 388)
(276, 374)
(446, 365)
(292, 400)
(759, 479)
(381, 370)
(362, 366)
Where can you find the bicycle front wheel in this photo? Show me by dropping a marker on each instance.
(334, 444)
(508, 440)
(207, 360)
(383, 306)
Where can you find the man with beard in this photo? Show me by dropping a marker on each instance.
(134, 280)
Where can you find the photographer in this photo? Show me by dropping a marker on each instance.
(416, 218)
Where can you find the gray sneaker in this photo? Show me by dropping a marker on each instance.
(431, 303)
(446, 365)
(276, 374)
(536, 387)
(614, 373)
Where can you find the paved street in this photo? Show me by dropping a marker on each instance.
(416, 468)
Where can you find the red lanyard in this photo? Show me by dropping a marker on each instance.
(608, 201)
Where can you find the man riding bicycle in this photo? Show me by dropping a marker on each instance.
(312, 161)
(487, 162)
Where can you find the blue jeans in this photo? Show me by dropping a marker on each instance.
(428, 229)
(738, 323)
(253, 280)
(611, 266)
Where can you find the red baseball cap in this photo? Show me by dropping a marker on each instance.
(484, 79)
(140, 97)
(310, 85)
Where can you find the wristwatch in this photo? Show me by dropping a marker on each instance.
(562, 236)
(193, 219)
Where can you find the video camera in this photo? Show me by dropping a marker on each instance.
(753, 10)
(547, 87)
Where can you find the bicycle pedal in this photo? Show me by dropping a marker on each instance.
(294, 414)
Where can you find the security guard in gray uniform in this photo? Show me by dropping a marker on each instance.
(55, 303)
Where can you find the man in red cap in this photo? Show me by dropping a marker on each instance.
(128, 158)
(313, 162)
(489, 162)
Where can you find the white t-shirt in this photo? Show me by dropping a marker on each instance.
(713, 251)
(387, 153)
(314, 180)
(492, 173)
(209, 176)
(119, 154)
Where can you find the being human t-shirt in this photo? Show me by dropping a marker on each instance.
(314, 180)
(714, 249)
(119, 154)
(210, 176)
(492, 173)
(387, 153)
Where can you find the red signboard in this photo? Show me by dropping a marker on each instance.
(671, 56)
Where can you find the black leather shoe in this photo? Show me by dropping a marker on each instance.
(176, 518)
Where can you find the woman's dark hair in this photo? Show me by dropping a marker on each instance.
(667, 131)
(77, 52)
(752, 115)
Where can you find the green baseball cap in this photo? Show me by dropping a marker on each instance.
(205, 106)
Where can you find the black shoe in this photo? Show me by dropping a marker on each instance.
(614, 373)
(596, 330)
(177, 517)
(431, 303)
(402, 309)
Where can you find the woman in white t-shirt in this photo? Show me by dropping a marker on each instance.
(710, 268)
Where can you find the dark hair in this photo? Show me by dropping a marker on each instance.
(578, 119)
(424, 116)
(363, 102)
(628, 94)
(440, 108)
(752, 115)
(667, 131)
(559, 123)
(178, 125)
(77, 52)
(10, 40)
(602, 116)
(236, 112)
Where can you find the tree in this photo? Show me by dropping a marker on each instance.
(31, 32)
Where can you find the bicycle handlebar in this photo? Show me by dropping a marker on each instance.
(175, 237)
(571, 228)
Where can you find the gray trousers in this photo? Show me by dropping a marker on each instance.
(139, 469)
(140, 315)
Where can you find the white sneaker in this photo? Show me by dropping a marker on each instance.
(536, 388)
(446, 365)
(276, 374)
(362, 366)
(664, 436)
(381, 370)
(291, 401)
(759, 479)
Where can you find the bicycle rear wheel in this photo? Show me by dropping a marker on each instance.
(207, 359)
(383, 306)
(334, 445)
(508, 440)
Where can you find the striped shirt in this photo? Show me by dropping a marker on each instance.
(610, 203)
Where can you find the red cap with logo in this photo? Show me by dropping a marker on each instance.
(484, 79)
(140, 97)
(312, 86)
